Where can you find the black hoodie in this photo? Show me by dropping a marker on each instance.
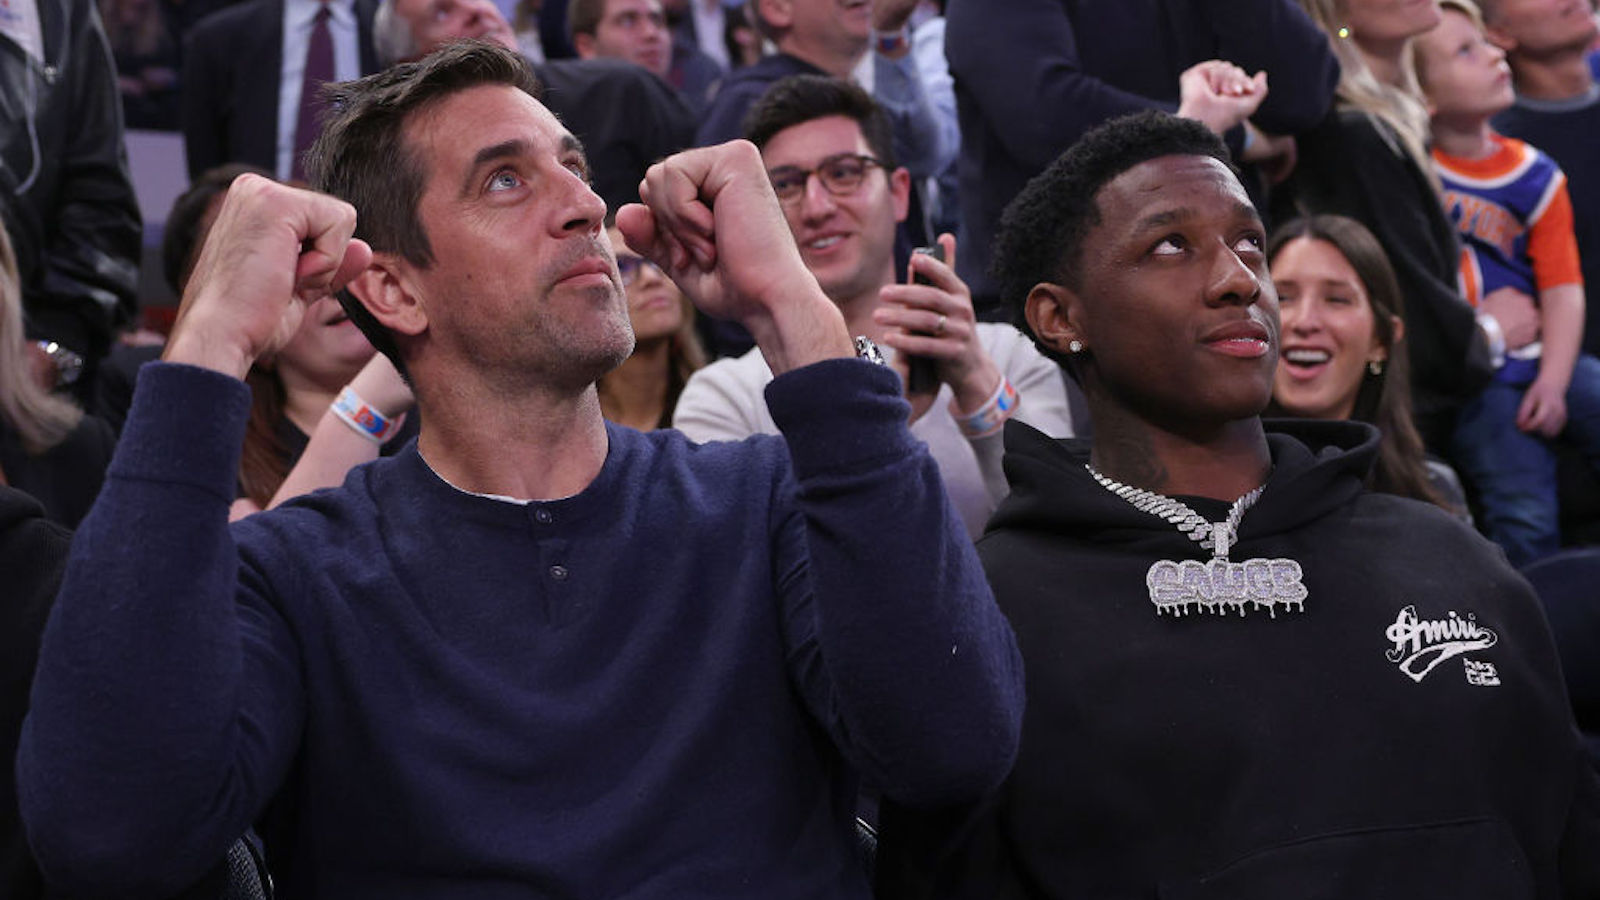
(1269, 753)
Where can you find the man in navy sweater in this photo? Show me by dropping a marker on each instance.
(533, 654)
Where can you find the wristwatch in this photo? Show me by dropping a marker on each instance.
(69, 365)
(867, 350)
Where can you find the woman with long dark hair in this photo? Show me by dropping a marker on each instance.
(1344, 354)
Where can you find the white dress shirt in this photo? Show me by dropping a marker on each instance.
(298, 16)
(19, 21)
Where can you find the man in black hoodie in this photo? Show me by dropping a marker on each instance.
(1247, 677)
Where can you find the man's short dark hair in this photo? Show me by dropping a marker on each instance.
(802, 98)
(1041, 232)
(363, 157)
(584, 17)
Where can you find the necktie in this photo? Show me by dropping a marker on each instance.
(319, 71)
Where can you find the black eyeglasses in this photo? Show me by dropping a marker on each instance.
(630, 266)
(840, 174)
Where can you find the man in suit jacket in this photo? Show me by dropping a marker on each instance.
(242, 74)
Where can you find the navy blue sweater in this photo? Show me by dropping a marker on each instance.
(660, 687)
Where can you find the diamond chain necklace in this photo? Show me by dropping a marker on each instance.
(1217, 537)
(1220, 585)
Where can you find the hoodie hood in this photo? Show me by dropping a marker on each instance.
(1317, 467)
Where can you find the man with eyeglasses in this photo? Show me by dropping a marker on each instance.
(828, 153)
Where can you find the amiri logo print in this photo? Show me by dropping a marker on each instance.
(1420, 645)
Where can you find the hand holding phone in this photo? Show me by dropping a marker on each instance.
(922, 373)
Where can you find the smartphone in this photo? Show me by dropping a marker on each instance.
(922, 377)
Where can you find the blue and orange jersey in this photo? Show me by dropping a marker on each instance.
(1515, 219)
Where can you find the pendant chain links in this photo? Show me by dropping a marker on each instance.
(1217, 537)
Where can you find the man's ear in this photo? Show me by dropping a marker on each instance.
(583, 45)
(1499, 38)
(900, 190)
(779, 14)
(388, 292)
(1055, 316)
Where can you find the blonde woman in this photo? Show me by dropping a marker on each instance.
(48, 448)
(1368, 161)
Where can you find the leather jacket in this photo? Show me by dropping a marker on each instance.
(65, 193)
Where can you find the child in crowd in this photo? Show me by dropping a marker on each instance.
(1509, 201)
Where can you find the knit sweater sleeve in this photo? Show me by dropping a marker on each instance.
(167, 703)
(894, 638)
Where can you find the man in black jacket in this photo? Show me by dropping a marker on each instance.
(65, 194)
(243, 69)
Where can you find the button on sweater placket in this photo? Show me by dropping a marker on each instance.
(553, 559)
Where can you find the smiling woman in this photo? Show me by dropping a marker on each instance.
(1344, 355)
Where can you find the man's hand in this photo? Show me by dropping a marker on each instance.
(272, 252)
(936, 321)
(711, 222)
(1544, 408)
(1516, 314)
(1219, 94)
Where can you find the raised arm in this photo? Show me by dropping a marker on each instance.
(167, 703)
(1019, 61)
(711, 221)
(926, 139)
(895, 642)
